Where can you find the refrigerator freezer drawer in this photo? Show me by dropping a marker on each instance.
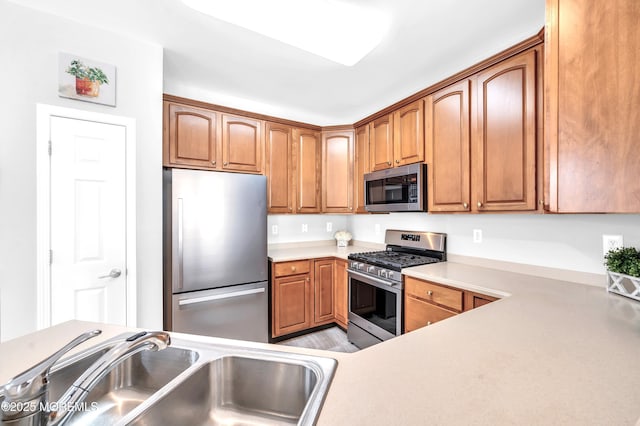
(236, 312)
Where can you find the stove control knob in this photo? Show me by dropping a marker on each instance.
(390, 275)
(360, 266)
(382, 273)
(371, 269)
(354, 265)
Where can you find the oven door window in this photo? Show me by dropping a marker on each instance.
(374, 304)
(393, 190)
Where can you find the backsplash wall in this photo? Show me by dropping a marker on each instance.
(289, 227)
(572, 242)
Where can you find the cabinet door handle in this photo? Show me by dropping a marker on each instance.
(307, 279)
(428, 322)
(290, 209)
(388, 163)
(225, 164)
(479, 204)
(213, 163)
(429, 293)
(465, 205)
(397, 161)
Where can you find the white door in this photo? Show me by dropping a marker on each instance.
(88, 221)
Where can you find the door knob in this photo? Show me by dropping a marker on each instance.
(388, 163)
(114, 273)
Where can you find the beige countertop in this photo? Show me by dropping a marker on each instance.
(287, 252)
(550, 353)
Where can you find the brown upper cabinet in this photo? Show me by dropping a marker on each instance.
(190, 136)
(592, 116)
(293, 169)
(482, 155)
(448, 141)
(397, 138)
(307, 147)
(381, 143)
(337, 171)
(241, 144)
(279, 168)
(504, 141)
(408, 135)
(361, 167)
(200, 138)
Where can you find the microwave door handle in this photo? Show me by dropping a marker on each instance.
(211, 298)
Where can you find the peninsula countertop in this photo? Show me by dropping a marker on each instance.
(549, 352)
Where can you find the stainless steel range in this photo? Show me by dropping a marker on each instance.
(375, 283)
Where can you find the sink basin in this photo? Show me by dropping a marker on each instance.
(245, 390)
(125, 387)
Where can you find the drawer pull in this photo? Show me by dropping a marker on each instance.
(293, 269)
(429, 293)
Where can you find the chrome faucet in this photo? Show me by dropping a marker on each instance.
(24, 400)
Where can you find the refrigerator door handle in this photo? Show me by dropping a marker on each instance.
(180, 244)
(184, 302)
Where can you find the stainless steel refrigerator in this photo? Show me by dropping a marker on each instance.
(215, 254)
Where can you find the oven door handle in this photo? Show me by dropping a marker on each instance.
(376, 282)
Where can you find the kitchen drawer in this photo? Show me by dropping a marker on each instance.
(418, 313)
(292, 268)
(445, 296)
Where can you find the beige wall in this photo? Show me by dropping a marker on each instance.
(29, 46)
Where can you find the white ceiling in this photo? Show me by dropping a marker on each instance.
(213, 61)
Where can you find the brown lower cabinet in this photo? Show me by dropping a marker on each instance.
(341, 293)
(292, 309)
(426, 303)
(308, 293)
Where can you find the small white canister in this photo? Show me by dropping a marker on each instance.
(342, 238)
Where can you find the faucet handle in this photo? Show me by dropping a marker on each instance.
(31, 383)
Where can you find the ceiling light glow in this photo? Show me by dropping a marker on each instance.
(335, 30)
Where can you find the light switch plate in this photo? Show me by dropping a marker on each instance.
(305, 227)
(477, 235)
(329, 226)
(274, 229)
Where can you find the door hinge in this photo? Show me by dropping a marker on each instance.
(49, 148)
(50, 257)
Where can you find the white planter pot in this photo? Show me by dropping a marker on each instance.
(624, 285)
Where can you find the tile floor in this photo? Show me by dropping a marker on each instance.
(330, 339)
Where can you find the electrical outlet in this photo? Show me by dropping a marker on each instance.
(305, 227)
(477, 235)
(274, 229)
(377, 228)
(329, 226)
(611, 242)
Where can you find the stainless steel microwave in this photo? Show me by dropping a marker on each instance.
(401, 189)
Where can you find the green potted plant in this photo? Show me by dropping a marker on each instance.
(623, 272)
(88, 79)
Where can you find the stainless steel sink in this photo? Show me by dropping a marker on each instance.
(204, 381)
(125, 387)
(241, 390)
